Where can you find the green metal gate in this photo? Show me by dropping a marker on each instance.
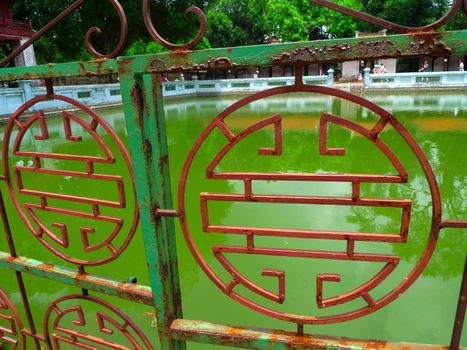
(104, 228)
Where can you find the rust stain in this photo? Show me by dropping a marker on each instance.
(137, 100)
(124, 65)
(147, 149)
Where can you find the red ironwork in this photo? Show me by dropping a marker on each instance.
(156, 36)
(456, 4)
(460, 314)
(68, 321)
(12, 333)
(89, 34)
(351, 253)
(29, 211)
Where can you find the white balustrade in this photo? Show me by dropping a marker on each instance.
(415, 80)
(94, 95)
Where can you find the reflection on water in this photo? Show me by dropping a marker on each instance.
(439, 124)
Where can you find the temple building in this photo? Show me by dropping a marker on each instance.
(16, 32)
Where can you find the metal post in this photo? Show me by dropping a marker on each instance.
(144, 113)
(460, 314)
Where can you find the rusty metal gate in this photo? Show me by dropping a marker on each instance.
(104, 228)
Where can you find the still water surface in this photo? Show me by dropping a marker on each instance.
(423, 314)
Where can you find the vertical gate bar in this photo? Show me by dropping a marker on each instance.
(460, 314)
(144, 114)
(19, 276)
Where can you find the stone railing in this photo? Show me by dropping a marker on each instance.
(12, 98)
(94, 95)
(415, 80)
(207, 87)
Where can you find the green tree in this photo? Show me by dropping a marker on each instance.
(243, 22)
(236, 23)
(405, 12)
(66, 40)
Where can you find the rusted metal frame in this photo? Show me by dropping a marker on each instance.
(109, 322)
(460, 314)
(436, 44)
(60, 70)
(401, 45)
(122, 289)
(260, 339)
(19, 277)
(144, 114)
(227, 287)
(15, 327)
(157, 37)
(456, 5)
(14, 123)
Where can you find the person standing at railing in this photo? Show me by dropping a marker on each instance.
(425, 67)
(382, 69)
(461, 66)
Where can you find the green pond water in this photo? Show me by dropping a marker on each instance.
(423, 314)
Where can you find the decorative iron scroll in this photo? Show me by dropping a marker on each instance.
(456, 5)
(252, 234)
(187, 46)
(10, 324)
(390, 25)
(101, 221)
(89, 34)
(123, 31)
(67, 321)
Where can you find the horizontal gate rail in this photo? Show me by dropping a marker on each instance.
(125, 290)
(261, 339)
(400, 45)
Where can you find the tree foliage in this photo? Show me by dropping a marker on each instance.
(294, 20)
(66, 40)
(231, 22)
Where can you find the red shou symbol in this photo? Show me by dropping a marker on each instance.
(259, 241)
(86, 322)
(93, 228)
(10, 324)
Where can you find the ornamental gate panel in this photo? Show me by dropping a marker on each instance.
(80, 234)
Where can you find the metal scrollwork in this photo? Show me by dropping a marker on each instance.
(123, 34)
(101, 235)
(156, 36)
(391, 25)
(87, 322)
(10, 324)
(91, 31)
(240, 286)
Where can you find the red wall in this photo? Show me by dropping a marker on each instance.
(5, 10)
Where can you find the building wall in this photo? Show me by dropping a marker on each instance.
(390, 65)
(27, 57)
(350, 69)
